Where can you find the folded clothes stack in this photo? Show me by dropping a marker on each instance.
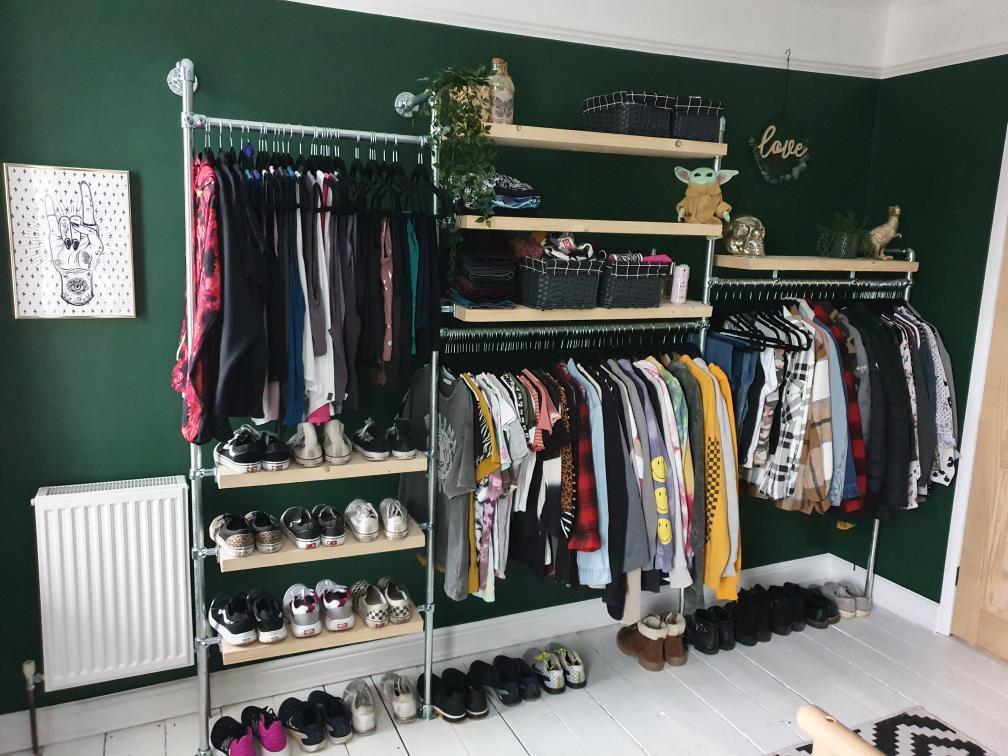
(514, 197)
(484, 272)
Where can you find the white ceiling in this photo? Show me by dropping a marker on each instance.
(871, 38)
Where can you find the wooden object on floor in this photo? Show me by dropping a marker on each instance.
(829, 737)
(807, 262)
(539, 137)
(586, 226)
(359, 633)
(523, 314)
(357, 467)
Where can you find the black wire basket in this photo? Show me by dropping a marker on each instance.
(696, 118)
(555, 284)
(630, 113)
(632, 284)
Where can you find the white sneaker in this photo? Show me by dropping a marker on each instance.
(400, 608)
(370, 604)
(305, 447)
(571, 663)
(357, 696)
(337, 605)
(394, 516)
(400, 695)
(362, 520)
(335, 444)
(301, 608)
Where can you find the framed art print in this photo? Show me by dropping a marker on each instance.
(71, 243)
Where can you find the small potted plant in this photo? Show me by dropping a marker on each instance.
(842, 238)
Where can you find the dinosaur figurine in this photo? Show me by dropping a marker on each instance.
(875, 241)
(703, 203)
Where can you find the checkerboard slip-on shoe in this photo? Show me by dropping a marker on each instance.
(400, 440)
(370, 442)
(702, 632)
(400, 697)
(300, 527)
(268, 615)
(268, 729)
(266, 530)
(362, 519)
(334, 712)
(232, 738)
(370, 604)
(674, 647)
(547, 668)
(335, 444)
(357, 696)
(838, 594)
(645, 640)
(331, 525)
(231, 617)
(304, 446)
(400, 607)
(232, 535)
(337, 605)
(726, 626)
(303, 722)
(394, 518)
(242, 453)
(301, 608)
(571, 664)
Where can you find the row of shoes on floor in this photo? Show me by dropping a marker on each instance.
(314, 722)
(323, 525)
(253, 449)
(757, 615)
(456, 695)
(244, 618)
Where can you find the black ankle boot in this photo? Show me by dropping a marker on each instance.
(702, 631)
(726, 626)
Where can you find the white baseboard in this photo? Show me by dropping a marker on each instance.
(154, 703)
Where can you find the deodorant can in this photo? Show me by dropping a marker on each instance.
(680, 282)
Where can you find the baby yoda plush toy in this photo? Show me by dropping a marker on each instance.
(703, 203)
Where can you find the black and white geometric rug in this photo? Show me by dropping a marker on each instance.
(914, 732)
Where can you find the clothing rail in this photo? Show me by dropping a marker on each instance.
(479, 339)
(269, 128)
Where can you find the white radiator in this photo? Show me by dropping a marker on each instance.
(114, 584)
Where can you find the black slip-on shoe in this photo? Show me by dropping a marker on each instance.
(299, 525)
(332, 527)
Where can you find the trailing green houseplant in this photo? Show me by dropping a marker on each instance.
(465, 157)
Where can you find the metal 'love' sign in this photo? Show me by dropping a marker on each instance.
(781, 151)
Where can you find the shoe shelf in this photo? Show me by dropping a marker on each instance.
(290, 554)
(357, 467)
(359, 633)
(538, 137)
(522, 314)
(826, 264)
(582, 226)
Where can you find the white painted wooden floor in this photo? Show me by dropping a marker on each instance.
(738, 702)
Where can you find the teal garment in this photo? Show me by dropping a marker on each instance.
(414, 270)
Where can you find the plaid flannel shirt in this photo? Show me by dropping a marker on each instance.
(586, 515)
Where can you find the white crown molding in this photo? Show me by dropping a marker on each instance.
(863, 38)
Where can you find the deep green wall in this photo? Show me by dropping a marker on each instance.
(937, 154)
(82, 84)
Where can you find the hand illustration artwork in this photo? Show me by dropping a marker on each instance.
(74, 245)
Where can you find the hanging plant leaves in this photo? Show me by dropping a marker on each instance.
(781, 151)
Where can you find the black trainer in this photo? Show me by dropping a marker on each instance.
(304, 722)
(231, 617)
(275, 453)
(781, 608)
(726, 626)
(400, 440)
(268, 616)
(332, 528)
(227, 732)
(497, 679)
(456, 681)
(242, 453)
(299, 525)
(702, 631)
(335, 714)
(369, 444)
(820, 611)
(448, 701)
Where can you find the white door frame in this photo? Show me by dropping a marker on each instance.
(971, 422)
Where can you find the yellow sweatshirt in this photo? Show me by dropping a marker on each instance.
(728, 587)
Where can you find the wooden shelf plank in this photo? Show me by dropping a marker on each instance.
(789, 262)
(582, 226)
(359, 633)
(357, 467)
(539, 137)
(290, 554)
(522, 314)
